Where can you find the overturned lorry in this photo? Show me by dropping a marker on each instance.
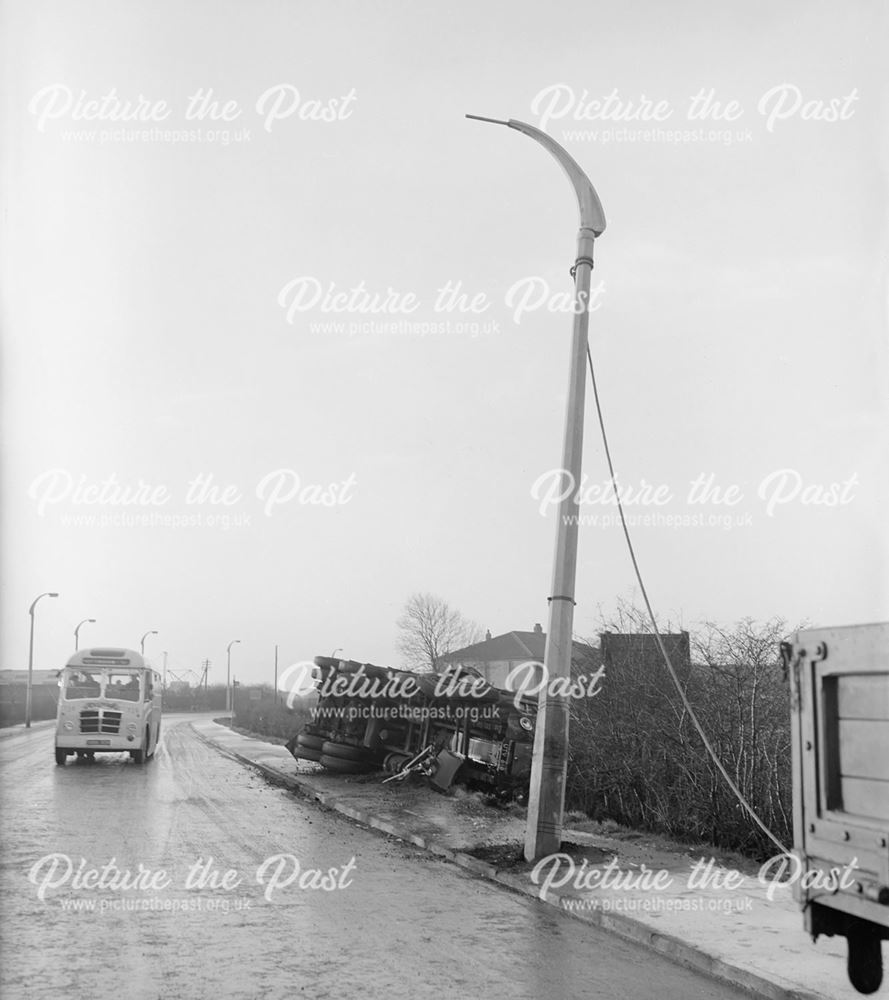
(451, 726)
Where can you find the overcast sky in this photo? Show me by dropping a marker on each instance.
(170, 312)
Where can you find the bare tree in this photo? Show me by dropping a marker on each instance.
(430, 629)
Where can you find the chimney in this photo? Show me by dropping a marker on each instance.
(487, 635)
(538, 628)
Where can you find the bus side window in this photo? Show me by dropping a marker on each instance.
(148, 689)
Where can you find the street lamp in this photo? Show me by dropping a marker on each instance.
(92, 621)
(228, 676)
(31, 659)
(546, 800)
(144, 637)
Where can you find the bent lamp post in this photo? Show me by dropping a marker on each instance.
(546, 800)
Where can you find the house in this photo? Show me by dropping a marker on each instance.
(499, 656)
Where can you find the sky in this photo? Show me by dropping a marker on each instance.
(286, 337)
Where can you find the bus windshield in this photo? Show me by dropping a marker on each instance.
(85, 683)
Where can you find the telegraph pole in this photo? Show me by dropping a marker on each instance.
(229, 697)
(546, 800)
(205, 668)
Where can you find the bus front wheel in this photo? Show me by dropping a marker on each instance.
(141, 755)
(61, 757)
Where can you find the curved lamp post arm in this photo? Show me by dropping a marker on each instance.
(592, 215)
(36, 599)
(86, 621)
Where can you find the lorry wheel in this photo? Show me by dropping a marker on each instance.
(307, 753)
(394, 762)
(865, 962)
(346, 766)
(61, 757)
(346, 751)
(309, 741)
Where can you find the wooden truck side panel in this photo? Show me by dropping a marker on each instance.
(840, 705)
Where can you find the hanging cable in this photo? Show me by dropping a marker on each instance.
(691, 713)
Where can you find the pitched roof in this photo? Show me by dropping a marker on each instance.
(508, 646)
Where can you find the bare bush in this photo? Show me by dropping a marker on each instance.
(636, 757)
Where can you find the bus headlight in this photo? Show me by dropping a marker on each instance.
(69, 725)
(131, 728)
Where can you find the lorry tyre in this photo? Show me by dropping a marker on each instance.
(309, 741)
(865, 962)
(395, 761)
(346, 751)
(346, 766)
(307, 753)
(61, 757)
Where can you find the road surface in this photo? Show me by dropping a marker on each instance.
(178, 879)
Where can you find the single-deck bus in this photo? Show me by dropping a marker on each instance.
(109, 702)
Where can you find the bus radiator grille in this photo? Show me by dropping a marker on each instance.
(92, 721)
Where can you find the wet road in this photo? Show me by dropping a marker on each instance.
(401, 925)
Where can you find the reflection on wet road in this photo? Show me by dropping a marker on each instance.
(178, 879)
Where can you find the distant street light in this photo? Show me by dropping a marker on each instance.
(31, 659)
(92, 621)
(338, 649)
(144, 637)
(228, 676)
(546, 798)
